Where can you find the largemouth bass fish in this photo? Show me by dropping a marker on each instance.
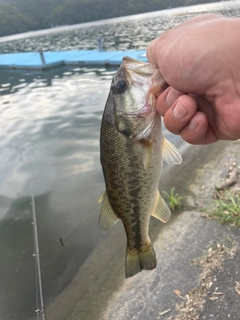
(132, 149)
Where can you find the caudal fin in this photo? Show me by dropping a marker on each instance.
(145, 260)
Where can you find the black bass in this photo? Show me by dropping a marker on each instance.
(132, 149)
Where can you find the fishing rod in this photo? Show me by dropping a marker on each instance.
(40, 310)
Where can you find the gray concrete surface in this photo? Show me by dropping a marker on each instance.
(100, 291)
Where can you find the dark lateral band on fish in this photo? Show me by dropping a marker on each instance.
(132, 150)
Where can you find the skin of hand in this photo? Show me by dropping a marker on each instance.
(199, 59)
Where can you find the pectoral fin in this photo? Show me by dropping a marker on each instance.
(161, 210)
(107, 216)
(170, 153)
(147, 154)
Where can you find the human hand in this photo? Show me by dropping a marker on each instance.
(199, 59)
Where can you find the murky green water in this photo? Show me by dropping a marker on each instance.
(49, 128)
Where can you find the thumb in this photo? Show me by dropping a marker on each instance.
(151, 53)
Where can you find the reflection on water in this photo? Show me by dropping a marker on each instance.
(49, 129)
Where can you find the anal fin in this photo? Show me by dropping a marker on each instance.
(107, 216)
(161, 210)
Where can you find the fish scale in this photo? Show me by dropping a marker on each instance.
(121, 187)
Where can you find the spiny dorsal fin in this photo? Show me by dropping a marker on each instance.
(107, 216)
(170, 153)
(161, 210)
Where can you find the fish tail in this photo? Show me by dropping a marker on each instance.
(144, 260)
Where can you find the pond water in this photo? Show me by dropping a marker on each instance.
(49, 146)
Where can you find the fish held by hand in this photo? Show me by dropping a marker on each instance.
(132, 149)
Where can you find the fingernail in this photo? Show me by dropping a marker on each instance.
(193, 124)
(179, 112)
(172, 96)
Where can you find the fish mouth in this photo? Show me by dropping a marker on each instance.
(141, 68)
(137, 71)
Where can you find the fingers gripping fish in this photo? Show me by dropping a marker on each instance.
(132, 149)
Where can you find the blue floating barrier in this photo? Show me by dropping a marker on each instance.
(46, 60)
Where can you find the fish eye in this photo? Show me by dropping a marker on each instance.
(120, 87)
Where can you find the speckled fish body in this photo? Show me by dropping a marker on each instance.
(132, 149)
